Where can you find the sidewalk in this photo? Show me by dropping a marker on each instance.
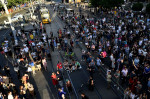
(4, 16)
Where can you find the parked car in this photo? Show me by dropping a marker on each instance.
(15, 18)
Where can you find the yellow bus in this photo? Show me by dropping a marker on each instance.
(45, 16)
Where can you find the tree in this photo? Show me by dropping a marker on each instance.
(95, 3)
(11, 3)
(1, 7)
(148, 8)
(111, 3)
(137, 6)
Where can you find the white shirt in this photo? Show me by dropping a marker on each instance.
(132, 96)
(140, 51)
(26, 49)
(140, 42)
(124, 72)
(111, 57)
(10, 96)
(5, 49)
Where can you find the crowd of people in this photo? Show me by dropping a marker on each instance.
(124, 39)
(119, 42)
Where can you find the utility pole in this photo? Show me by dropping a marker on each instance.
(32, 9)
(4, 3)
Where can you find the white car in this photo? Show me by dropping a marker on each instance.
(16, 17)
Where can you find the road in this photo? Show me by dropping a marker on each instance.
(42, 80)
(82, 76)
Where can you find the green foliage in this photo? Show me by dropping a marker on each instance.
(1, 6)
(148, 8)
(137, 7)
(12, 3)
(19, 1)
(95, 3)
(111, 3)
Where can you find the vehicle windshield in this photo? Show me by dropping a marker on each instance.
(45, 12)
(45, 17)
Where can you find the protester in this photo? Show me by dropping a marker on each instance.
(54, 79)
(59, 78)
(91, 84)
(109, 79)
(68, 85)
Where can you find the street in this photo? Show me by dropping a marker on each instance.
(42, 80)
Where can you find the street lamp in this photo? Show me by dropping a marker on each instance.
(4, 3)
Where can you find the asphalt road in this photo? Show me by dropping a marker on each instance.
(80, 77)
(42, 81)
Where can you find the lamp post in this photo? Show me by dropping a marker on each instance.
(4, 3)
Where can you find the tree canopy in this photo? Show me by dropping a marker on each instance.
(95, 3)
(137, 6)
(106, 3)
(148, 8)
(12, 3)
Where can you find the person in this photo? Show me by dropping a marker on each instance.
(126, 93)
(54, 79)
(59, 66)
(112, 62)
(92, 63)
(77, 65)
(66, 65)
(30, 88)
(124, 74)
(109, 77)
(91, 84)
(70, 68)
(44, 62)
(22, 92)
(61, 93)
(59, 78)
(33, 67)
(98, 62)
(84, 96)
(138, 87)
(7, 70)
(10, 96)
(143, 96)
(83, 55)
(1, 95)
(25, 78)
(117, 77)
(91, 70)
(68, 85)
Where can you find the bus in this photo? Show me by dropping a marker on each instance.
(45, 16)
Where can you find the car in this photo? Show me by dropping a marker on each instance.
(15, 18)
(6, 22)
(3, 26)
(36, 2)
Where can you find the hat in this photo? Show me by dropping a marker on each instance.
(67, 80)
